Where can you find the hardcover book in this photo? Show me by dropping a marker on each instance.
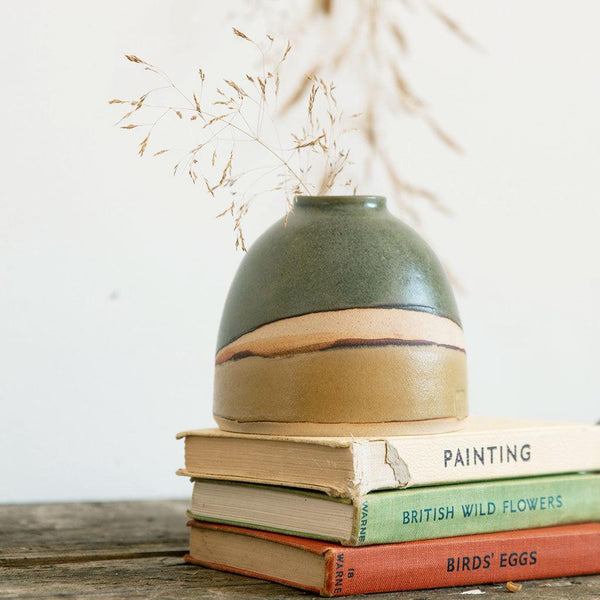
(485, 448)
(402, 515)
(333, 570)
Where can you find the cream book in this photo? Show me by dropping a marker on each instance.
(485, 448)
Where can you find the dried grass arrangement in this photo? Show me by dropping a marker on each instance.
(312, 159)
(309, 161)
(373, 46)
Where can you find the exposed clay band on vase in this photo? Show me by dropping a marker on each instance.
(321, 330)
(275, 428)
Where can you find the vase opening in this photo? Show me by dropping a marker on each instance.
(329, 201)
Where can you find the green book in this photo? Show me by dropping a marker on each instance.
(402, 515)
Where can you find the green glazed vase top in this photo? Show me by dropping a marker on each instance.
(334, 253)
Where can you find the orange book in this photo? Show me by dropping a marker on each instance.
(333, 570)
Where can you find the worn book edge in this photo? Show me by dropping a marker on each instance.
(407, 461)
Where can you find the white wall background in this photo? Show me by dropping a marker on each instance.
(113, 273)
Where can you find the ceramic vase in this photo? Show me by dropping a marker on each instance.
(340, 322)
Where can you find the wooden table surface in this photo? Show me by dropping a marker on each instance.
(133, 550)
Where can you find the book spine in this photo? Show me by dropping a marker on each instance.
(447, 511)
(501, 454)
(462, 561)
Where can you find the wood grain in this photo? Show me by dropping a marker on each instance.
(132, 550)
(53, 533)
(170, 578)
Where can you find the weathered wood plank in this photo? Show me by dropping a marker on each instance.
(133, 550)
(170, 578)
(47, 533)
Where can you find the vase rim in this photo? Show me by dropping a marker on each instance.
(362, 200)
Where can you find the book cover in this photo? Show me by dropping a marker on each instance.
(403, 515)
(485, 448)
(333, 570)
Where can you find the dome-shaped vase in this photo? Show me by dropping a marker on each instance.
(340, 322)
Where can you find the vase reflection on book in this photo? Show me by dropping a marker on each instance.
(263, 506)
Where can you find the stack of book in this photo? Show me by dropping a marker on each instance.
(500, 500)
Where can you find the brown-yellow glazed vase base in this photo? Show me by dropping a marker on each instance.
(359, 384)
